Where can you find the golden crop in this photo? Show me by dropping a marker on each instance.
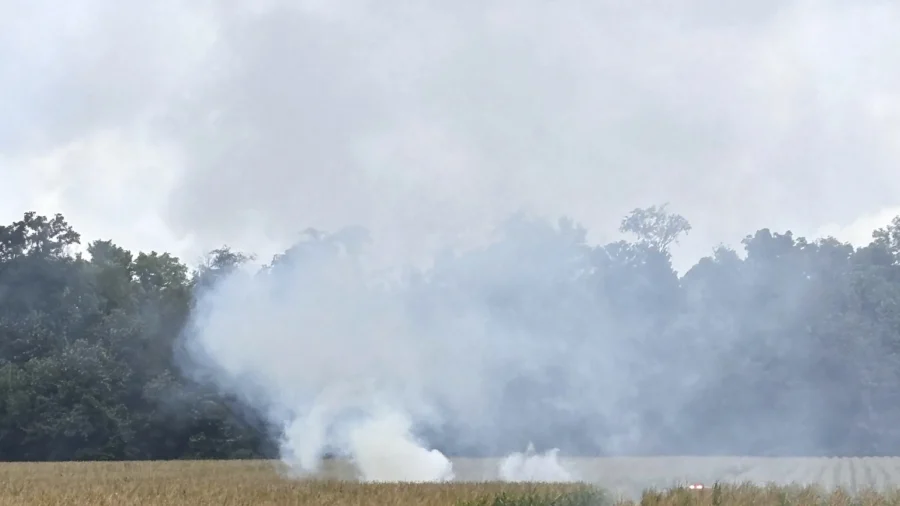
(261, 483)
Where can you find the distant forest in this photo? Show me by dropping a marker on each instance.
(788, 346)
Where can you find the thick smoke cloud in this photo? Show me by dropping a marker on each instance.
(368, 364)
(429, 123)
(536, 339)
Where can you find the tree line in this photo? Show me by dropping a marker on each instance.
(786, 346)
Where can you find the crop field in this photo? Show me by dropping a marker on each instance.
(830, 481)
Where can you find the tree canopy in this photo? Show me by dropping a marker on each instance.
(91, 351)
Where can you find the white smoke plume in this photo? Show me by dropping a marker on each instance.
(532, 466)
(350, 362)
(384, 450)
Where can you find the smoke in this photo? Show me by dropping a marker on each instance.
(211, 122)
(360, 362)
(385, 450)
(429, 123)
(381, 443)
(532, 466)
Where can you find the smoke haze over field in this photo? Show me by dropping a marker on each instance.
(537, 338)
(427, 125)
(346, 360)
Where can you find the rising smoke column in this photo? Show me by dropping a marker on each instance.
(330, 354)
(354, 361)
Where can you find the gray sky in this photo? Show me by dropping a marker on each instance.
(185, 125)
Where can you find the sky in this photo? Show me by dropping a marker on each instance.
(182, 126)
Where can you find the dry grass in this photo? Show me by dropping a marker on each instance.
(216, 483)
(259, 483)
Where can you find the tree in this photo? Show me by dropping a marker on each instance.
(655, 226)
(38, 236)
(887, 239)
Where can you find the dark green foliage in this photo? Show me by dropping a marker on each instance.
(86, 355)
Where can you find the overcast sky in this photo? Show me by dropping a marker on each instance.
(184, 125)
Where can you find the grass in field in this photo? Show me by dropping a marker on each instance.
(221, 483)
(259, 483)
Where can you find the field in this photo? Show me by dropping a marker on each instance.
(261, 483)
